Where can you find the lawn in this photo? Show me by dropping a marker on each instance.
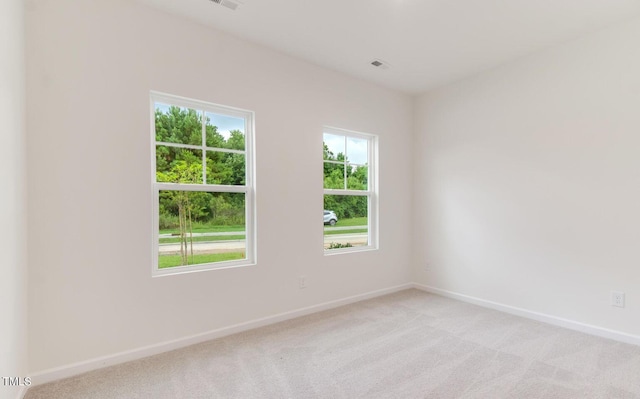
(207, 229)
(203, 238)
(199, 228)
(336, 232)
(352, 222)
(165, 261)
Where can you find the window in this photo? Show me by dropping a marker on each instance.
(203, 186)
(350, 191)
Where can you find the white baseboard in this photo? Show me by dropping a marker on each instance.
(557, 321)
(70, 370)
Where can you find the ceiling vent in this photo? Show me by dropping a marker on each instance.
(227, 3)
(378, 63)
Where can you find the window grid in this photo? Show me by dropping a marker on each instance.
(371, 190)
(246, 189)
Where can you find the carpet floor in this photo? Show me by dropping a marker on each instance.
(405, 345)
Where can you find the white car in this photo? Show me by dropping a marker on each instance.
(330, 217)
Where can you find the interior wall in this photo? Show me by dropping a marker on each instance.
(13, 267)
(528, 183)
(90, 67)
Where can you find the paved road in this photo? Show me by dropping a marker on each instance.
(235, 245)
(205, 247)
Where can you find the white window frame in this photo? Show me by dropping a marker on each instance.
(248, 189)
(371, 193)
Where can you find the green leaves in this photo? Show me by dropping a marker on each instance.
(176, 164)
(176, 125)
(179, 125)
(339, 174)
(347, 206)
(181, 172)
(337, 245)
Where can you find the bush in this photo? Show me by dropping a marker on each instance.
(346, 206)
(336, 245)
(168, 221)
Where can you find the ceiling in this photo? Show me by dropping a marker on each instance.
(427, 43)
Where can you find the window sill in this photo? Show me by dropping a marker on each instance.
(340, 251)
(205, 267)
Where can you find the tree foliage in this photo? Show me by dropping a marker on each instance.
(177, 125)
(339, 174)
(184, 165)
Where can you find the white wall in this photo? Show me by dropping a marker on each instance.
(13, 267)
(528, 182)
(90, 66)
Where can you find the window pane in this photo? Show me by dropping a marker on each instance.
(225, 131)
(357, 150)
(357, 177)
(334, 175)
(178, 165)
(225, 168)
(178, 125)
(346, 221)
(333, 147)
(200, 227)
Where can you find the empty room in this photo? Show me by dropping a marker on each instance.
(165, 164)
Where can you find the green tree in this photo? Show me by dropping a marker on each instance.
(179, 125)
(180, 209)
(236, 140)
(335, 175)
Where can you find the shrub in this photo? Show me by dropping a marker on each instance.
(336, 245)
(168, 221)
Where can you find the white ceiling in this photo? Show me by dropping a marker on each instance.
(427, 42)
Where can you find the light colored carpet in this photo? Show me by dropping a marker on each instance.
(406, 345)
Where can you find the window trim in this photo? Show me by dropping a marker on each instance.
(371, 193)
(248, 189)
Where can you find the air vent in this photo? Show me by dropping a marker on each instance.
(378, 63)
(227, 3)
(230, 4)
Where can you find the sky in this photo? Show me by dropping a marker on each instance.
(224, 123)
(356, 149)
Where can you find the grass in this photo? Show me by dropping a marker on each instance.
(165, 261)
(336, 232)
(200, 228)
(207, 229)
(352, 222)
(204, 238)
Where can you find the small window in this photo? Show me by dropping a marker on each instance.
(202, 165)
(350, 193)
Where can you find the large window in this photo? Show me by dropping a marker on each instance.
(350, 191)
(203, 213)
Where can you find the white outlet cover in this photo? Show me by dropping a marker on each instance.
(617, 299)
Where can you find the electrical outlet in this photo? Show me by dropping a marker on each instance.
(302, 282)
(617, 299)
